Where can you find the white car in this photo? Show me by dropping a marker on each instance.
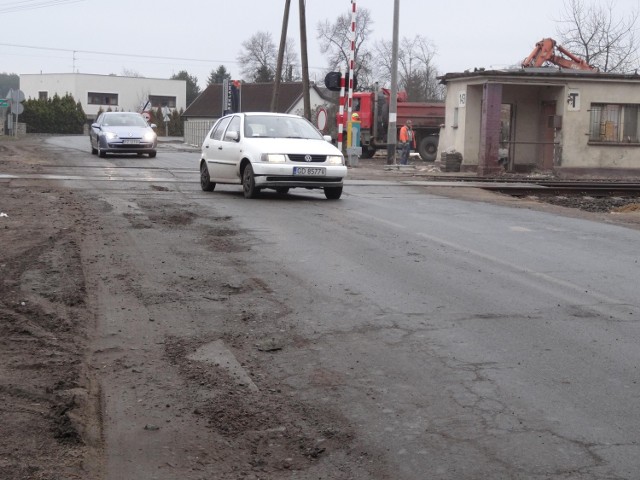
(270, 150)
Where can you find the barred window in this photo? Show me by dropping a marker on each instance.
(614, 123)
(162, 101)
(97, 98)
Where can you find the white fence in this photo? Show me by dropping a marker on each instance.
(196, 130)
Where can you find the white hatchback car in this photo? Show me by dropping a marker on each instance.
(270, 150)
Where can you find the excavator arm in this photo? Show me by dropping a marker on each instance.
(545, 51)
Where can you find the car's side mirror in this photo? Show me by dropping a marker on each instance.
(153, 125)
(328, 138)
(232, 135)
(95, 125)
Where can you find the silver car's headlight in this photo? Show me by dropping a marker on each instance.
(335, 160)
(149, 136)
(110, 135)
(273, 158)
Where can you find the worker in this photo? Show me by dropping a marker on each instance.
(406, 140)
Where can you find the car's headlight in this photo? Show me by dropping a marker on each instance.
(110, 135)
(149, 136)
(273, 158)
(335, 160)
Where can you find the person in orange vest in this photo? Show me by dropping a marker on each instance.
(406, 139)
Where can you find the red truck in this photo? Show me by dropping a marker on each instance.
(373, 109)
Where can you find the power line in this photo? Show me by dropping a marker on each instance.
(11, 7)
(94, 52)
(131, 55)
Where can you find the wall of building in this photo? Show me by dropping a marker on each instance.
(131, 91)
(527, 95)
(452, 135)
(577, 152)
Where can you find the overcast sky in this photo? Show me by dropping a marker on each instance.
(166, 36)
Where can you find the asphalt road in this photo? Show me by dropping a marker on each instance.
(457, 339)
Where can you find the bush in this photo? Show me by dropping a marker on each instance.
(54, 115)
(174, 127)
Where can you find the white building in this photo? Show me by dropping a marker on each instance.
(561, 120)
(97, 92)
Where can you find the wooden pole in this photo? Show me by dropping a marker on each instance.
(305, 60)
(283, 43)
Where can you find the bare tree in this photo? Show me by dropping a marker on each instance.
(596, 33)
(259, 59)
(417, 71)
(335, 42)
(290, 63)
(126, 72)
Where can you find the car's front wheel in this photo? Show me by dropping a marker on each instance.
(205, 180)
(282, 190)
(333, 193)
(101, 152)
(249, 182)
(152, 154)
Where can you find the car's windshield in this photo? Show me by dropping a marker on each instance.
(124, 120)
(274, 126)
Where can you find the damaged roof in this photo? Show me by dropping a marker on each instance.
(539, 73)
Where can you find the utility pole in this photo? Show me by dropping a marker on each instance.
(283, 43)
(393, 101)
(305, 61)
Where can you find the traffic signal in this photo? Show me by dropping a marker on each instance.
(332, 81)
(346, 82)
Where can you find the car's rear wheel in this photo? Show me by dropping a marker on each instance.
(205, 180)
(333, 193)
(249, 182)
(282, 190)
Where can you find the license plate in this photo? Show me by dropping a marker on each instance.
(130, 141)
(309, 171)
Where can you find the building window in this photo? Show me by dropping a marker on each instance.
(97, 98)
(43, 96)
(614, 123)
(158, 101)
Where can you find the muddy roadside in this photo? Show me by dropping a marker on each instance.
(123, 354)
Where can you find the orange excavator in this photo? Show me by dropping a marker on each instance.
(545, 51)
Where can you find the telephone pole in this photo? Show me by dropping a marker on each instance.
(393, 101)
(283, 43)
(305, 61)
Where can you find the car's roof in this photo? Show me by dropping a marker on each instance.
(270, 114)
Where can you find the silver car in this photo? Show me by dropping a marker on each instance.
(270, 150)
(122, 132)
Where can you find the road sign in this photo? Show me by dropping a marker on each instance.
(4, 103)
(16, 95)
(17, 108)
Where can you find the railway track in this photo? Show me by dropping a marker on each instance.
(522, 187)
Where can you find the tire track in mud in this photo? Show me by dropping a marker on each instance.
(45, 404)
